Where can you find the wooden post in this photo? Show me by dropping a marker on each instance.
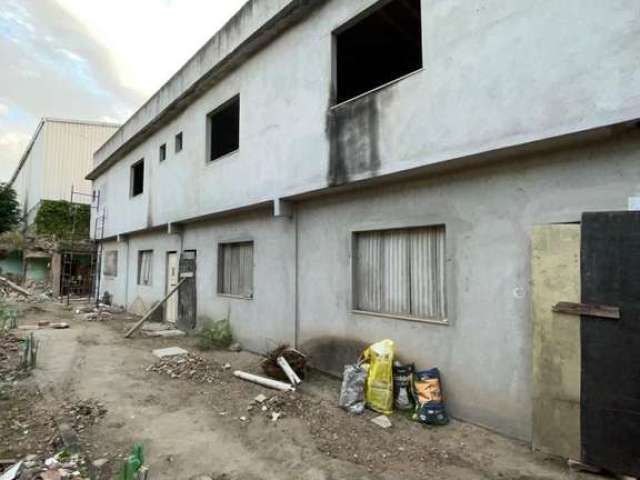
(153, 309)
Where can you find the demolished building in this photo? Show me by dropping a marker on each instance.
(331, 173)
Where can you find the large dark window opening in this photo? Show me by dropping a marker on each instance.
(381, 46)
(137, 178)
(224, 129)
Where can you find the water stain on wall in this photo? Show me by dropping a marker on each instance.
(353, 130)
(330, 354)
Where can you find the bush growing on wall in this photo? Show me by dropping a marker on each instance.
(55, 219)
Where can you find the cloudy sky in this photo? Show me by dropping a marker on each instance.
(91, 59)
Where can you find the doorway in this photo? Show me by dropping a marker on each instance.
(173, 277)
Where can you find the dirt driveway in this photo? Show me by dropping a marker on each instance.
(191, 428)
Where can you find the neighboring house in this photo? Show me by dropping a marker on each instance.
(334, 173)
(56, 160)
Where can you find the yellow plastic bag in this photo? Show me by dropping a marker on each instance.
(379, 389)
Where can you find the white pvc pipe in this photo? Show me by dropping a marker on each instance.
(288, 371)
(266, 382)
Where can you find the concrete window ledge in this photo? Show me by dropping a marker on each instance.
(401, 317)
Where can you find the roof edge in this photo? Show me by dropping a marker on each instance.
(254, 26)
(43, 120)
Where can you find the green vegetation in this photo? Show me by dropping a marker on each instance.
(7, 317)
(215, 334)
(55, 219)
(9, 208)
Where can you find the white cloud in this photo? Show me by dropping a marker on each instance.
(149, 40)
(12, 145)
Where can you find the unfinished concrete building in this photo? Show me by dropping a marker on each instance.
(331, 173)
(56, 160)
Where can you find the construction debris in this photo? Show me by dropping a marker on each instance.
(288, 371)
(169, 352)
(265, 382)
(14, 287)
(59, 467)
(147, 315)
(296, 360)
(189, 367)
(84, 413)
(382, 421)
(57, 326)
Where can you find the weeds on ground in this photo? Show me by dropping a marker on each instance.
(215, 334)
(8, 317)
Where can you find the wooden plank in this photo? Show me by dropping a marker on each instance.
(601, 311)
(153, 309)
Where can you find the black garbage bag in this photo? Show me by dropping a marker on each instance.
(427, 389)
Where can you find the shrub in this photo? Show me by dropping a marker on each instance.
(215, 334)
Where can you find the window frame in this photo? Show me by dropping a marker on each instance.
(351, 22)
(398, 316)
(139, 272)
(162, 152)
(132, 171)
(178, 140)
(209, 133)
(220, 269)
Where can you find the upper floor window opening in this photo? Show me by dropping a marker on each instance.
(381, 45)
(223, 129)
(163, 152)
(137, 178)
(178, 146)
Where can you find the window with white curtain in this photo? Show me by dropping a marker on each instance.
(235, 269)
(145, 266)
(401, 272)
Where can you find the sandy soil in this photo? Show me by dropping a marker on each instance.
(191, 428)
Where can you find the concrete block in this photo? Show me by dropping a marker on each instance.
(169, 352)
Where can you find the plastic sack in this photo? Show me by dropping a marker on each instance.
(379, 387)
(402, 379)
(352, 391)
(428, 392)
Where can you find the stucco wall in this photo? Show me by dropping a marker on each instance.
(485, 350)
(495, 74)
(261, 323)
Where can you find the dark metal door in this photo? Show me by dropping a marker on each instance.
(187, 301)
(610, 380)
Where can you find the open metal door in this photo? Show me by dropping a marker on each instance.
(187, 301)
(610, 380)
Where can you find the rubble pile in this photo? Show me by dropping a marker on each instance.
(99, 314)
(84, 413)
(10, 366)
(61, 466)
(190, 367)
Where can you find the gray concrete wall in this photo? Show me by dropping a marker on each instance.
(485, 349)
(261, 323)
(495, 74)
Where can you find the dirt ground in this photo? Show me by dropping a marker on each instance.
(207, 424)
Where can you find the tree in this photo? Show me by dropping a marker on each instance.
(9, 208)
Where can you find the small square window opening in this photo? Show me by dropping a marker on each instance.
(224, 129)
